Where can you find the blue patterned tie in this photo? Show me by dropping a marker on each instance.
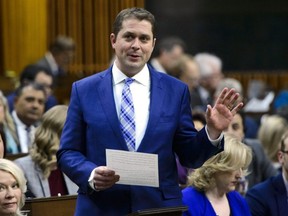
(127, 119)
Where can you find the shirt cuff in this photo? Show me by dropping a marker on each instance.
(90, 180)
(216, 142)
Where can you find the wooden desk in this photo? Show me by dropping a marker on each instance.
(169, 211)
(55, 206)
(13, 157)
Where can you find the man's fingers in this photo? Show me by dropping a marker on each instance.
(222, 95)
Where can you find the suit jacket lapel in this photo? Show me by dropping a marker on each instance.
(43, 183)
(105, 93)
(157, 95)
(280, 194)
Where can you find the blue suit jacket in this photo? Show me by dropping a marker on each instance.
(199, 205)
(92, 126)
(268, 198)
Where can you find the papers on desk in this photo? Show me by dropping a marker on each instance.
(134, 168)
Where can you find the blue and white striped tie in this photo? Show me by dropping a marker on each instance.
(127, 116)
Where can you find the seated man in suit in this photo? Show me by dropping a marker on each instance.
(261, 167)
(269, 198)
(44, 179)
(28, 110)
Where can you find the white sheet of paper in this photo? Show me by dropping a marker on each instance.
(134, 168)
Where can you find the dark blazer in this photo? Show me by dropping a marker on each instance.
(92, 126)
(44, 63)
(260, 168)
(268, 198)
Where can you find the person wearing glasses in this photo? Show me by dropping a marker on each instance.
(270, 198)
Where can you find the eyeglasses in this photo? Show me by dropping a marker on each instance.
(286, 152)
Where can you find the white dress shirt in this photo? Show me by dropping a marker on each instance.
(52, 63)
(140, 90)
(22, 133)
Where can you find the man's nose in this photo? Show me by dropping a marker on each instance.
(136, 44)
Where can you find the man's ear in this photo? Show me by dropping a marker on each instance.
(113, 39)
(280, 156)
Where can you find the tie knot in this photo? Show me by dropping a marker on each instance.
(128, 81)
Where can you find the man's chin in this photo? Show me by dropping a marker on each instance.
(135, 65)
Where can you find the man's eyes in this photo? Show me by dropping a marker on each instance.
(132, 37)
(144, 39)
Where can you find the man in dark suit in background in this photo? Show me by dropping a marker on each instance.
(29, 104)
(60, 54)
(162, 119)
(166, 54)
(269, 198)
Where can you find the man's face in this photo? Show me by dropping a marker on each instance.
(236, 127)
(170, 58)
(29, 106)
(64, 58)
(133, 45)
(46, 81)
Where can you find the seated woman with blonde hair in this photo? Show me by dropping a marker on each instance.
(211, 188)
(12, 189)
(8, 129)
(44, 179)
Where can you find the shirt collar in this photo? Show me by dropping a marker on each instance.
(19, 123)
(285, 182)
(17, 120)
(143, 77)
(53, 64)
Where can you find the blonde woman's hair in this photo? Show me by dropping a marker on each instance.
(270, 132)
(10, 167)
(235, 156)
(8, 121)
(47, 138)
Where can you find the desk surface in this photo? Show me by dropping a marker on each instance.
(56, 206)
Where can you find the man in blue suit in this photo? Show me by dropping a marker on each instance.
(270, 198)
(163, 123)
